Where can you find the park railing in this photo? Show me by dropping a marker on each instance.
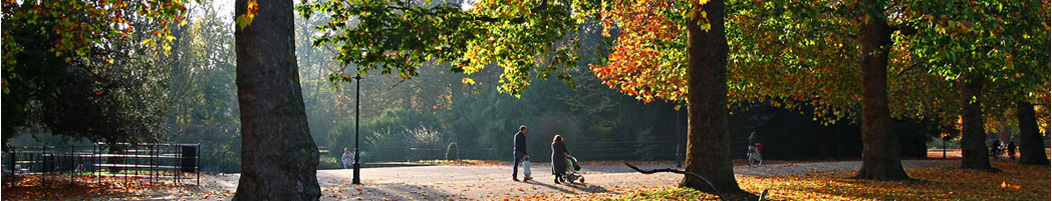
(585, 151)
(153, 162)
(632, 151)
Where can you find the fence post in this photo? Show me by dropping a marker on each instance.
(43, 160)
(96, 171)
(197, 164)
(72, 164)
(179, 156)
(14, 165)
(98, 161)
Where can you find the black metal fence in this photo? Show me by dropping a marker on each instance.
(154, 162)
(585, 151)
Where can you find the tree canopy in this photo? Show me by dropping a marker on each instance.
(522, 37)
(86, 68)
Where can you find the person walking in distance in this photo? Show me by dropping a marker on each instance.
(1011, 150)
(347, 158)
(519, 152)
(754, 150)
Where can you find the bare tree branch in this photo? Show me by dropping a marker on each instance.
(677, 172)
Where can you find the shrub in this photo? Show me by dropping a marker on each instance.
(328, 162)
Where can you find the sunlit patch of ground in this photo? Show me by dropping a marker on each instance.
(944, 182)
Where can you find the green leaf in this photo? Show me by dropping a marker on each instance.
(243, 21)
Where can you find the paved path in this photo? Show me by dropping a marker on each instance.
(493, 182)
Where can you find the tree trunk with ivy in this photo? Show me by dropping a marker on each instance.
(708, 141)
(279, 156)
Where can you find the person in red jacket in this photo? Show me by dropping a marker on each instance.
(754, 150)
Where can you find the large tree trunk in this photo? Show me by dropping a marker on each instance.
(708, 143)
(1031, 146)
(973, 135)
(881, 158)
(278, 155)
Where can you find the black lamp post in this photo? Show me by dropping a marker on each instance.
(357, 106)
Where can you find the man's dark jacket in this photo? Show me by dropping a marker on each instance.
(520, 144)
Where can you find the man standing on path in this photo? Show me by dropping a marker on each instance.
(519, 152)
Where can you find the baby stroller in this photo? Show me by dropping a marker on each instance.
(571, 170)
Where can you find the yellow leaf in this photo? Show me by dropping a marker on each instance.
(466, 80)
(253, 6)
(246, 19)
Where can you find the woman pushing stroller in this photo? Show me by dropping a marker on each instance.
(560, 160)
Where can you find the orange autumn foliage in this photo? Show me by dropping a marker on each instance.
(1006, 185)
(20, 187)
(945, 182)
(646, 61)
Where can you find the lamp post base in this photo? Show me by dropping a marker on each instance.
(355, 179)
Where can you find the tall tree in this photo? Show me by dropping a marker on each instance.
(830, 57)
(651, 46)
(202, 92)
(278, 155)
(880, 148)
(987, 49)
(85, 68)
(536, 37)
(1030, 85)
(708, 143)
(1031, 148)
(931, 57)
(973, 132)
